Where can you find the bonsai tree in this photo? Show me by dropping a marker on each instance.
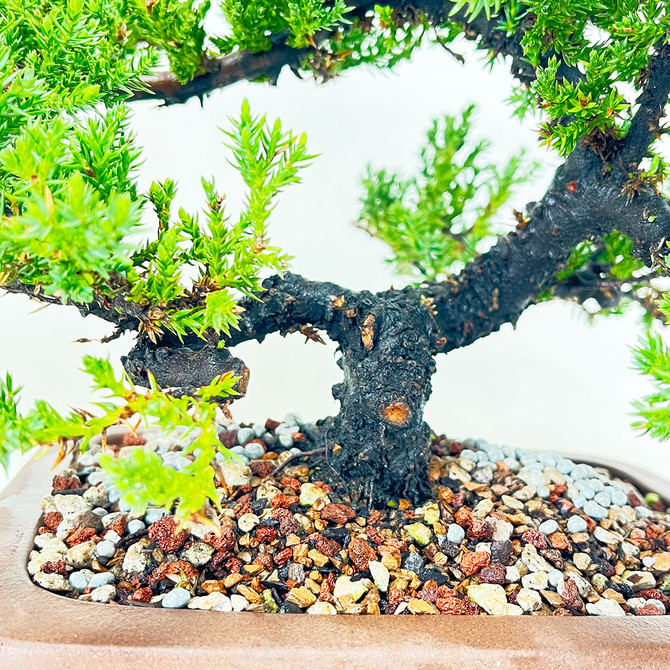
(191, 286)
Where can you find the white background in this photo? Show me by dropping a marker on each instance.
(557, 382)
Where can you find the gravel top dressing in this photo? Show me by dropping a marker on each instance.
(508, 532)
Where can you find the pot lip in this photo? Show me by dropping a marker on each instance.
(440, 641)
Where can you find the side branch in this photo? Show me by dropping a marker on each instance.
(644, 127)
(247, 66)
(581, 203)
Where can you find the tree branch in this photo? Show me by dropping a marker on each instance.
(644, 127)
(245, 65)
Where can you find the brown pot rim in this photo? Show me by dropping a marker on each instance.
(40, 629)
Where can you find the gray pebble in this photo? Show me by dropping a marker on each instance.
(100, 579)
(564, 466)
(455, 534)
(286, 440)
(78, 580)
(543, 491)
(483, 475)
(603, 498)
(135, 526)
(245, 435)
(548, 527)
(176, 599)
(105, 549)
(512, 464)
(576, 524)
(100, 511)
(496, 454)
(153, 514)
(579, 501)
(618, 496)
(579, 472)
(113, 495)
(470, 455)
(258, 429)
(642, 512)
(254, 450)
(595, 511)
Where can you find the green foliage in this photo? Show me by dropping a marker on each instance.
(382, 38)
(652, 358)
(439, 220)
(626, 32)
(613, 254)
(140, 476)
(222, 259)
(253, 24)
(176, 28)
(475, 7)
(72, 205)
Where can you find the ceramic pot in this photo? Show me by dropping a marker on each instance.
(43, 630)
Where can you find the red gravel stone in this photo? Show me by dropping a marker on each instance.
(374, 535)
(228, 438)
(561, 611)
(61, 483)
(281, 500)
(130, 440)
(559, 541)
(164, 533)
(217, 565)
(458, 500)
(493, 573)
(480, 529)
(284, 555)
(223, 542)
(327, 547)
(234, 564)
(271, 425)
(570, 595)
(142, 595)
(655, 594)
(265, 534)
(81, 535)
(264, 559)
(536, 538)
(474, 561)
(451, 605)
(287, 522)
(463, 517)
(57, 567)
(52, 520)
(649, 610)
(428, 592)
(361, 553)
(262, 469)
(290, 483)
(337, 513)
(119, 526)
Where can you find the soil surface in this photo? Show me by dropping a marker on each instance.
(507, 532)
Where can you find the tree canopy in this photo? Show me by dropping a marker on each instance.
(596, 73)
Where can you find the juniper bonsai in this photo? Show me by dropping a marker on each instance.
(194, 286)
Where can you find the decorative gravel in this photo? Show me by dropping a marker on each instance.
(508, 532)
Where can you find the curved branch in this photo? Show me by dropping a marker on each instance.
(644, 127)
(581, 203)
(245, 65)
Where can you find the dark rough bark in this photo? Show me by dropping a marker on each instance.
(581, 203)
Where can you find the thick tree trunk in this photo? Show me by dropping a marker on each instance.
(379, 443)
